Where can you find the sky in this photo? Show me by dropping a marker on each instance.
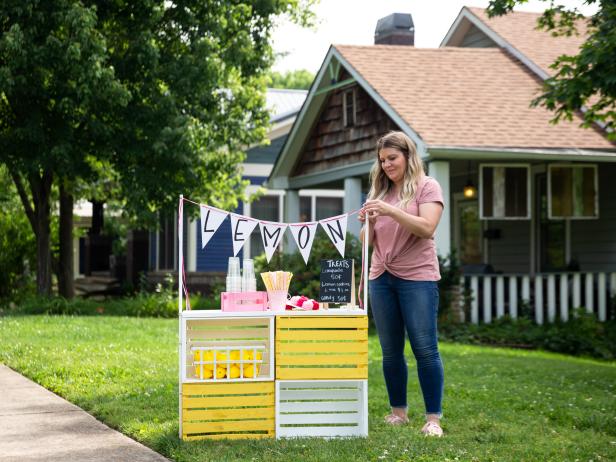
(352, 22)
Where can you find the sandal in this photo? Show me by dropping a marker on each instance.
(432, 429)
(393, 419)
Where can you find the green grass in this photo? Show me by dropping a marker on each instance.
(499, 404)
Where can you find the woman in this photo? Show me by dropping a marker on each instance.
(404, 207)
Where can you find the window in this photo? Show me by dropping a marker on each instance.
(572, 191)
(348, 107)
(305, 209)
(328, 207)
(504, 191)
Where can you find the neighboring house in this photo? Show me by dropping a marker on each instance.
(541, 229)
(313, 204)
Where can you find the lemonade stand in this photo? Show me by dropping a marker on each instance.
(254, 369)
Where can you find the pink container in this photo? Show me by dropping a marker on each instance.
(243, 301)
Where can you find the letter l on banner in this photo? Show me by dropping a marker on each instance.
(211, 219)
(336, 227)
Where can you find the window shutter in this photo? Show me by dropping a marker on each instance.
(504, 191)
(573, 191)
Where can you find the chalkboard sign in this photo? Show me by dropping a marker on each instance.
(336, 281)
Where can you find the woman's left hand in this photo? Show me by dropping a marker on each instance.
(377, 208)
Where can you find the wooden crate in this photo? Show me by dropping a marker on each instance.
(322, 408)
(227, 410)
(201, 335)
(321, 347)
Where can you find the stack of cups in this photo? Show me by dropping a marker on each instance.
(249, 281)
(234, 280)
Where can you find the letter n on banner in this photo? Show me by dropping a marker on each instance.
(304, 237)
(271, 233)
(241, 228)
(211, 219)
(336, 227)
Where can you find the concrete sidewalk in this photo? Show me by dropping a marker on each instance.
(37, 425)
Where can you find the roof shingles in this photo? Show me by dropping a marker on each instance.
(520, 30)
(466, 97)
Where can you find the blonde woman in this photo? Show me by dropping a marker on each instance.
(404, 207)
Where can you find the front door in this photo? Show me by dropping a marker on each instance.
(468, 232)
(551, 234)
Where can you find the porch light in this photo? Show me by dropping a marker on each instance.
(469, 190)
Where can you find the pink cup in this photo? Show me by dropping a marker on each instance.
(277, 300)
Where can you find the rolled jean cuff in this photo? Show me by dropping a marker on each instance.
(439, 414)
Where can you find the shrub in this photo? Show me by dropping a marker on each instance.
(582, 335)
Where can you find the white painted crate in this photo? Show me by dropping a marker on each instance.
(224, 335)
(324, 408)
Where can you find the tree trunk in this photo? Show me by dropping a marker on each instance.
(41, 192)
(66, 270)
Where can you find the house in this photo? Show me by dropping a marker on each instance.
(203, 268)
(540, 230)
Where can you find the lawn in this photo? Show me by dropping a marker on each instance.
(500, 404)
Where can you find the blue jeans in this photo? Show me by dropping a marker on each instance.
(399, 305)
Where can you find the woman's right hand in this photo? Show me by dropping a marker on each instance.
(362, 218)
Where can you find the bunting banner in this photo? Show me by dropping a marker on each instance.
(241, 228)
(304, 233)
(211, 219)
(271, 234)
(335, 228)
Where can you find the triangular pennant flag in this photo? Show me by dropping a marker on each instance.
(211, 219)
(304, 236)
(241, 228)
(335, 227)
(271, 233)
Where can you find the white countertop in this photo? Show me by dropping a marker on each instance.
(265, 314)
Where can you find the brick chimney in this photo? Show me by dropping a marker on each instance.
(395, 29)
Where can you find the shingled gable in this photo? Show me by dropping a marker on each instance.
(335, 74)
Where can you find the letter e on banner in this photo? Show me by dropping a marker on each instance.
(335, 228)
(241, 228)
(271, 233)
(211, 219)
(304, 233)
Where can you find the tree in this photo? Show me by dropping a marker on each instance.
(299, 79)
(56, 93)
(587, 80)
(163, 94)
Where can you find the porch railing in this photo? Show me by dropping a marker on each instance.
(544, 296)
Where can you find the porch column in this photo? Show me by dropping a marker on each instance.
(291, 215)
(191, 245)
(439, 170)
(352, 201)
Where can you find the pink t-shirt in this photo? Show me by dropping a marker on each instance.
(401, 253)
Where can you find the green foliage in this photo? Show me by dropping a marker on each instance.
(582, 335)
(17, 244)
(306, 278)
(449, 286)
(299, 79)
(586, 79)
(500, 404)
(143, 100)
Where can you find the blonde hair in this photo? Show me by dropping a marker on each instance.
(380, 184)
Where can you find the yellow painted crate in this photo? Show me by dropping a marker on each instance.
(321, 347)
(232, 410)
